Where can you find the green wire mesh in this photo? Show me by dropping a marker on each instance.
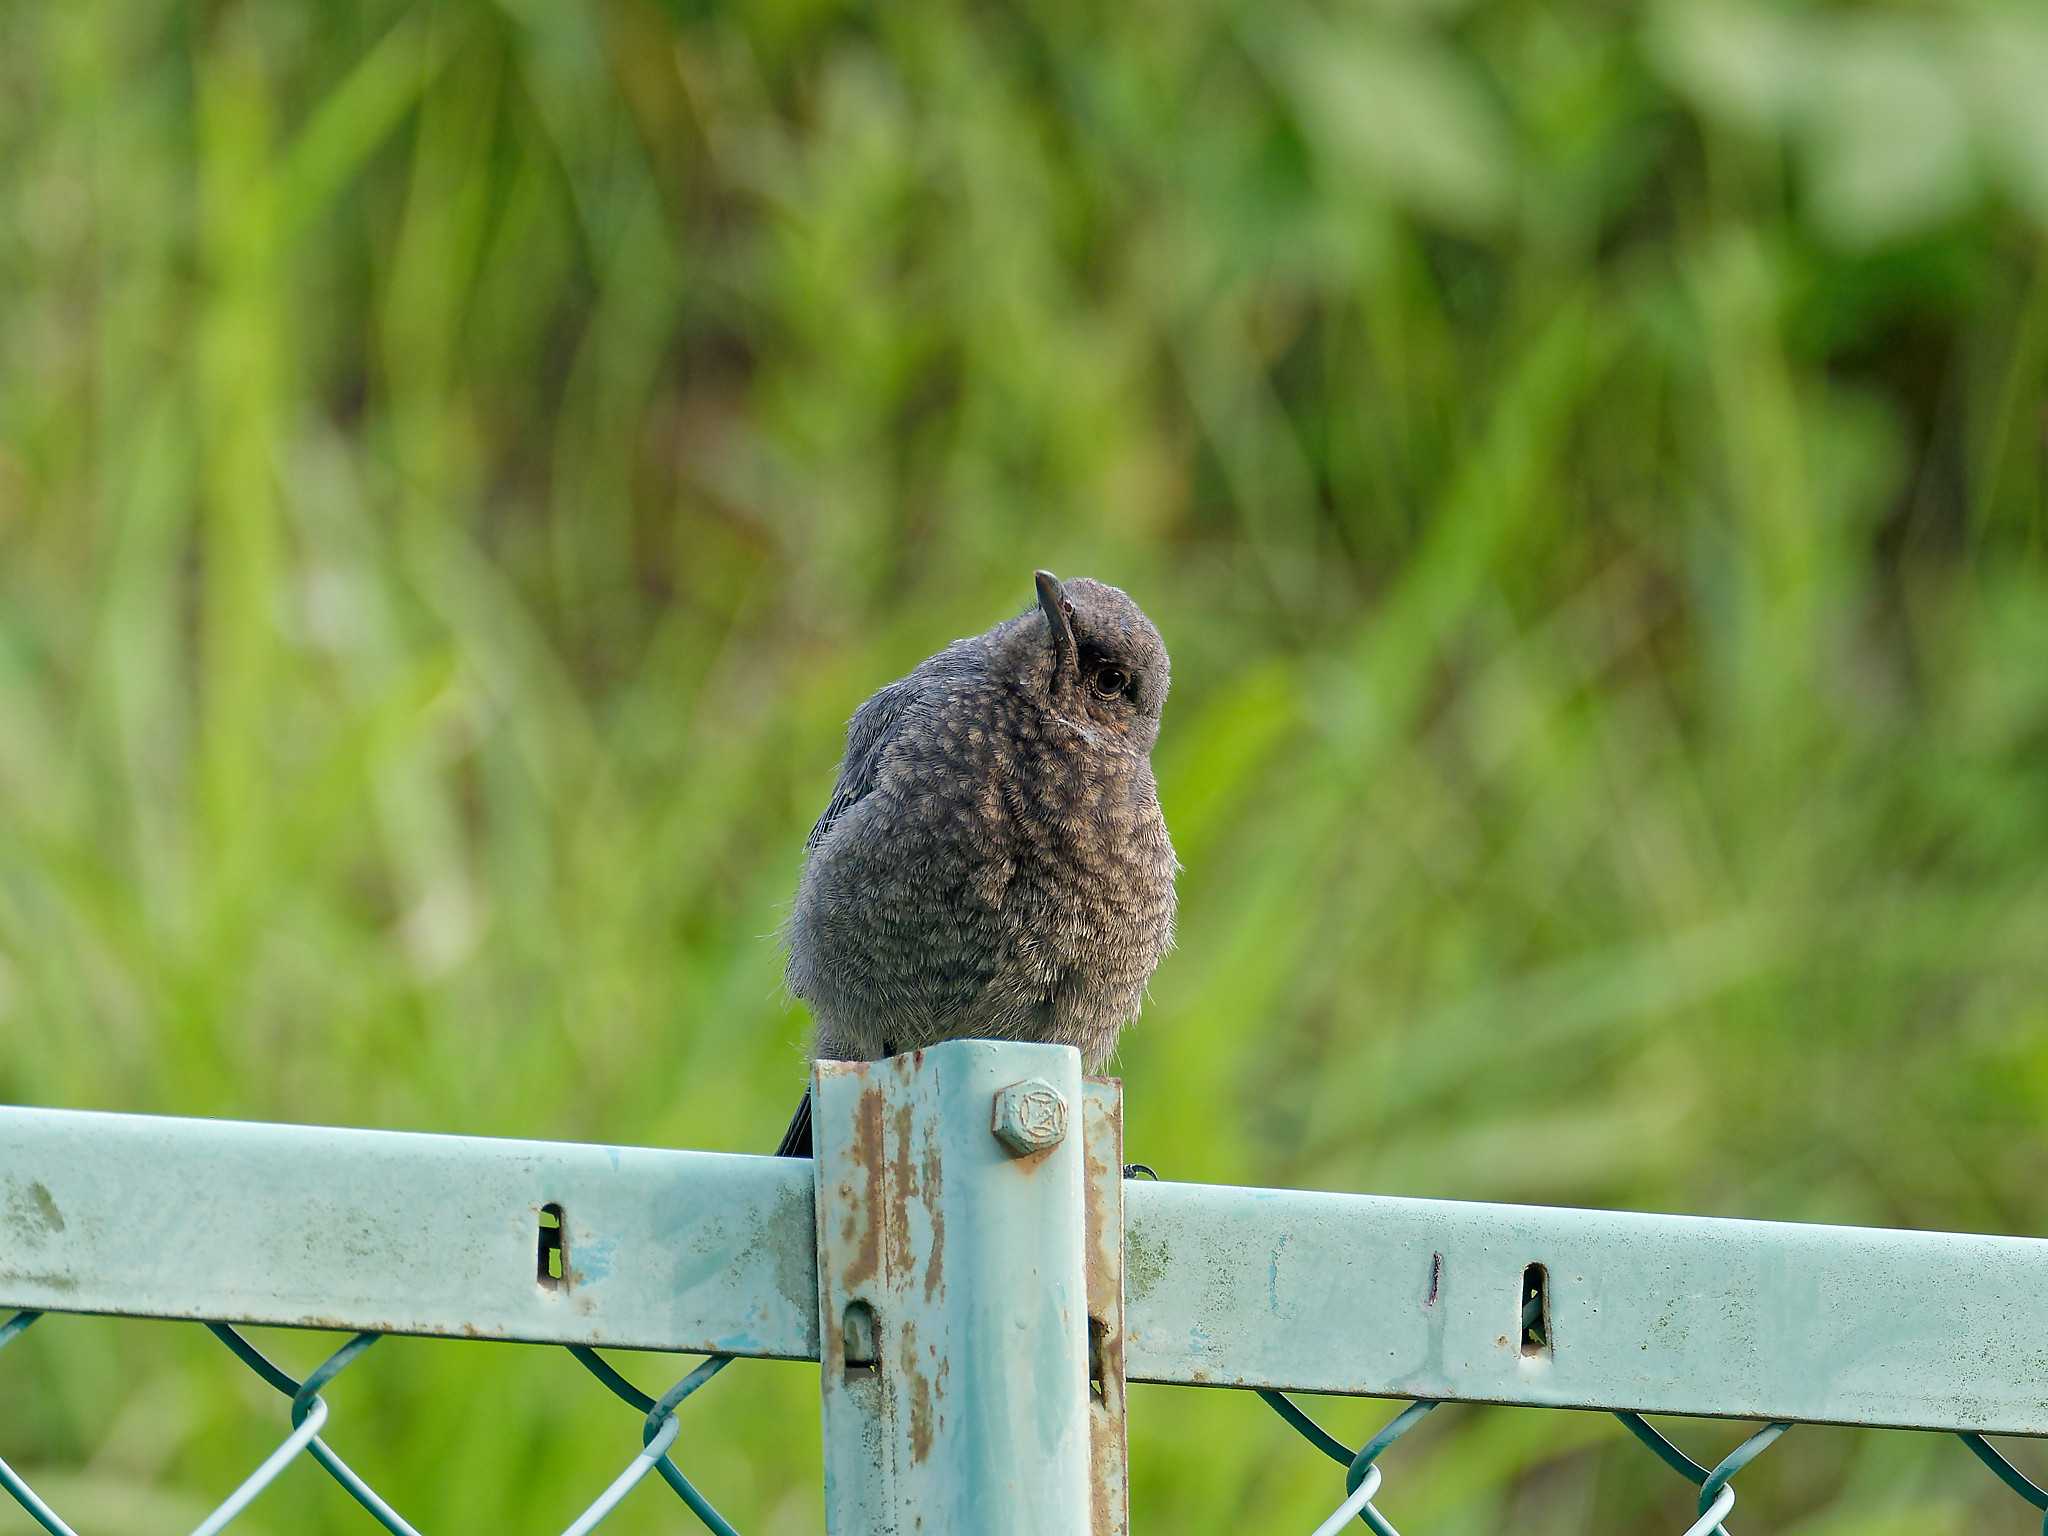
(661, 1427)
(1716, 1490)
(659, 1431)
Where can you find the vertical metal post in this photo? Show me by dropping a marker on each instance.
(1102, 1125)
(952, 1291)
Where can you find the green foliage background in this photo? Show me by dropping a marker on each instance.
(460, 464)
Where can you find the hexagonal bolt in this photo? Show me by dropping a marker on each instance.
(1030, 1116)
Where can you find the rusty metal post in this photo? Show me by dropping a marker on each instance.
(953, 1296)
(1102, 1126)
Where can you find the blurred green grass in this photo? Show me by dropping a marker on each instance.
(460, 464)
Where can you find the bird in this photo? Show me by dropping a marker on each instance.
(993, 862)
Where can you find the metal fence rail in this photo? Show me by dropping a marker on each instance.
(966, 1219)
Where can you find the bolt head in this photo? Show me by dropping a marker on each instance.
(1030, 1116)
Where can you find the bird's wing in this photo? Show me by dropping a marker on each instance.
(867, 736)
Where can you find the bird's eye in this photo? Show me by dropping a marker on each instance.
(1110, 680)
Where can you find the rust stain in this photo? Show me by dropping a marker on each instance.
(1101, 1271)
(1436, 1279)
(920, 1388)
(902, 1177)
(1101, 1125)
(355, 1325)
(934, 1181)
(868, 1156)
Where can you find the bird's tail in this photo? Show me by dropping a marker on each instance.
(796, 1141)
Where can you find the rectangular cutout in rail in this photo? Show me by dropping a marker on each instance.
(859, 1337)
(1535, 1310)
(551, 1259)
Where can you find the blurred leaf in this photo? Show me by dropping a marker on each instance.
(2005, 82)
(1887, 140)
(1398, 107)
(1750, 65)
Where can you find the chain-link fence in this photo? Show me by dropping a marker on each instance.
(660, 1426)
(1363, 1478)
(308, 1415)
(917, 1225)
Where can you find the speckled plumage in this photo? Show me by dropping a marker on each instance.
(993, 862)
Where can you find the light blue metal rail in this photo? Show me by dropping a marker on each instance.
(969, 1204)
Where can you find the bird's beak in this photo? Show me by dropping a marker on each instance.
(1059, 620)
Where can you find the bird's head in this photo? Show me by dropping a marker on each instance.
(1096, 659)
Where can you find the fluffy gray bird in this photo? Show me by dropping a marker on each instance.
(993, 863)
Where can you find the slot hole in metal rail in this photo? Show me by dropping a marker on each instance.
(1535, 1310)
(551, 1257)
(1097, 1332)
(858, 1331)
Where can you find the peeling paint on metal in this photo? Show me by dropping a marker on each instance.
(1273, 1275)
(593, 1259)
